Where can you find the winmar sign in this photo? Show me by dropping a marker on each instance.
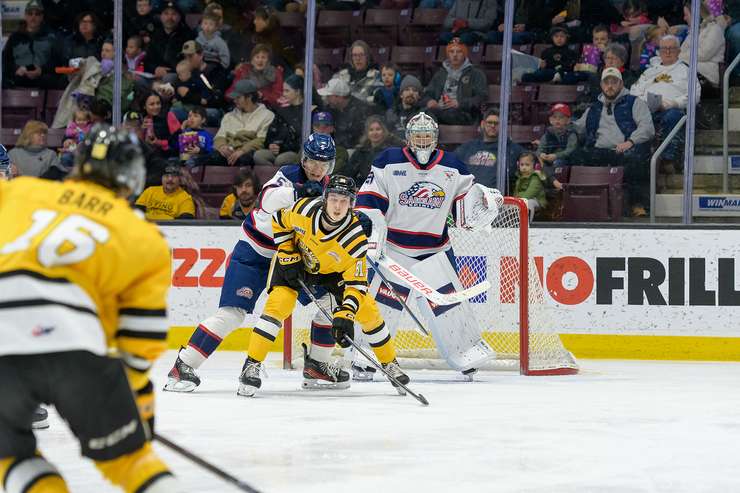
(644, 280)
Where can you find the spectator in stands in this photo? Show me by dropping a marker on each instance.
(711, 50)
(665, 89)
(187, 91)
(557, 61)
(240, 202)
(32, 52)
(267, 31)
(649, 47)
(733, 36)
(143, 23)
(362, 75)
(560, 139)
(284, 134)
(407, 105)
(228, 34)
(214, 47)
(210, 79)
(134, 54)
(350, 112)
(520, 35)
(32, 156)
(634, 15)
(592, 54)
(385, 96)
(469, 20)
(267, 77)
(168, 201)
(86, 40)
(104, 89)
(616, 57)
(481, 154)
(243, 130)
(101, 111)
(167, 41)
(529, 183)
(74, 134)
(455, 93)
(323, 122)
(160, 125)
(155, 164)
(618, 130)
(375, 139)
(193, 140)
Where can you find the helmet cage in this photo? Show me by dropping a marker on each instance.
(421, 136)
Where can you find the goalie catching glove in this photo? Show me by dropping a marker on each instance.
(289, 268)
(343, 325)
(479, 208)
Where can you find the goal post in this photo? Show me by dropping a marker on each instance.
(513, 315)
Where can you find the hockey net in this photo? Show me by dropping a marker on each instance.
(513, 314)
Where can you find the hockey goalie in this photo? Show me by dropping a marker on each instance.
(408, 197)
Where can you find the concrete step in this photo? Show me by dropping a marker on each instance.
(702, 182)
(713, 138)
(706, 205)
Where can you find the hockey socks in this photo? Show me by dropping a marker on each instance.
(381, 343)
(33, 475)
(209, 334)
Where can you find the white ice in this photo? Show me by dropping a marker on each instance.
(619, 426)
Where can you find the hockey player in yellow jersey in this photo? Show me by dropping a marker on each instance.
(322, 243)
(82, 317)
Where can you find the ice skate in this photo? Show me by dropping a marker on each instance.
(181, 378)
(362, 373)
(469, 374)
(40, 419)
(249, 380)
(318, 375)
(395, 371)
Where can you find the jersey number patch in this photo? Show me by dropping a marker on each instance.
(73, 240)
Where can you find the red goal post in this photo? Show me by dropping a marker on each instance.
(513, 315)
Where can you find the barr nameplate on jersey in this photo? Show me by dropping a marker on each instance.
(85, 202)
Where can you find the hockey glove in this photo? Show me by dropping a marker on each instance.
(365, 222)
(309, 189)
(291, 269)
(343, 325)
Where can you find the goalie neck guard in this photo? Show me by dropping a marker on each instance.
(421, 135)
(342, 185)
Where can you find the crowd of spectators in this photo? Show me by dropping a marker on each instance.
(210, 93)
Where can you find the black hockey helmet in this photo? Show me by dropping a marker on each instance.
(343, 185)
(112, 158)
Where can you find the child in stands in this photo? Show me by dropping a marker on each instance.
(557, 61)
(193, 140)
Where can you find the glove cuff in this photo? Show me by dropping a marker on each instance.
(344, 313)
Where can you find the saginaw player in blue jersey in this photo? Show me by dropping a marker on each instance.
(246, 275)
(409, 194)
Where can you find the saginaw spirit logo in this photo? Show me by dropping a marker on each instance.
(423, 194)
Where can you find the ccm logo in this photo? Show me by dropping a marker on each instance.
(409, 278)
(207, 278)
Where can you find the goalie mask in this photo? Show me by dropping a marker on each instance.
(342, 186)
(111, 158)
(421, 136)
(319, 154)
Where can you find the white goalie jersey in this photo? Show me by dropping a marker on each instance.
(415, 200)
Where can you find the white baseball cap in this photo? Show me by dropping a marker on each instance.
(335, 87)
(611, 72)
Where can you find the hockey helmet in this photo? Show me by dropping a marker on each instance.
(4, 158)
(421, 136)
(342, 185)
(112, 158)
(321, 148)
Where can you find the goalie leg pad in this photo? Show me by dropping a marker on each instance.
(454, 327)
(209, 334)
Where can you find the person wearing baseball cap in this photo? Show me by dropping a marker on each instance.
(349, 112)
(168, 201)
(167, 41)
(617, 130)
(559, 140)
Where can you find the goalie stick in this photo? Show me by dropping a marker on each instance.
(204, 464)
(431, 294)
(397, 296)
(357, 347)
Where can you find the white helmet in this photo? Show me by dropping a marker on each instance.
(421, 136)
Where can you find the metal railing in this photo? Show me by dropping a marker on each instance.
(654, 162)
(726, 123)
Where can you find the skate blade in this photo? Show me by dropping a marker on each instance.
(362, 376)
(246, 390)
(324, 385)
(173, 385)
(400, 390)
(40, 425)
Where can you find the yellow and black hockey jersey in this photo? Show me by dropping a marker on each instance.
(343, 251)
(79, 270)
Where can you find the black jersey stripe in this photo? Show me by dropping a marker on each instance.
(141, 334)
(279, 218)
(6, 305)
(351, 229)
(35, 275)
(348, 241)
(358, 249)
(144, 312)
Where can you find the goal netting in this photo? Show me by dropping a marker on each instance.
(513, 315)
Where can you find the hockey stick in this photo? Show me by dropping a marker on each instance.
(357, 347)
(204, 464)
(397, 296)
(431, 294)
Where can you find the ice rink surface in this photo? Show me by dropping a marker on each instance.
(619, 426)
